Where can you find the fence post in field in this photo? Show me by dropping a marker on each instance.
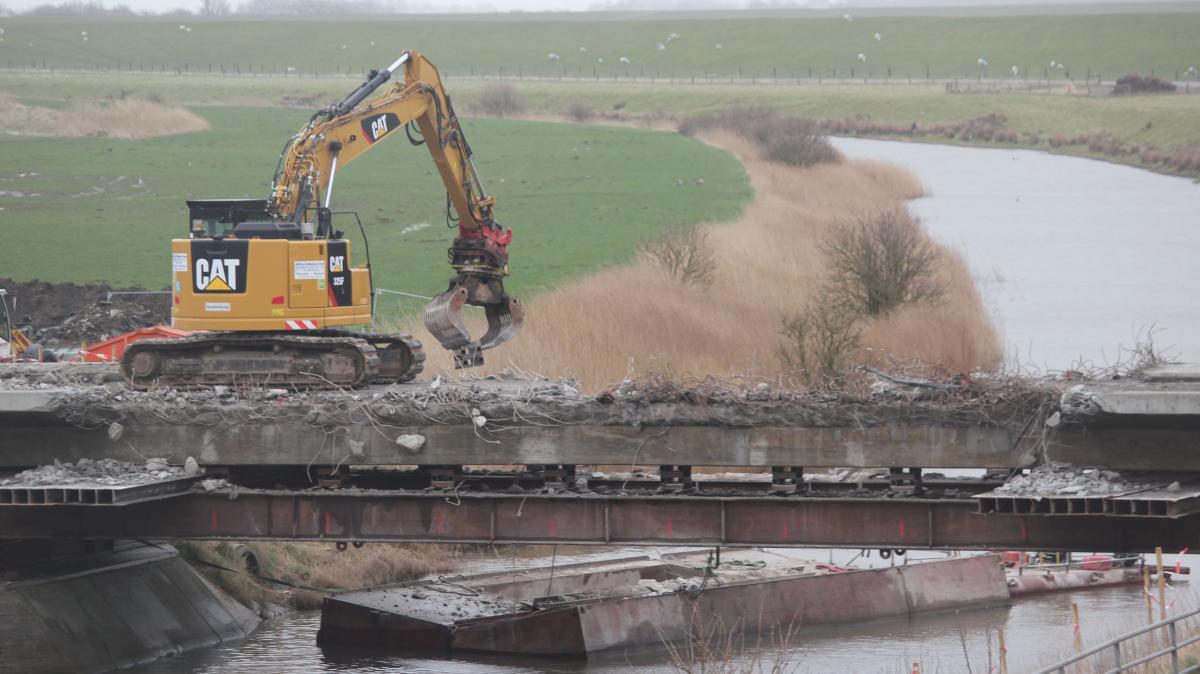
(1078, 630)
(1146, 595)
(1003, 651)
(1162, 585)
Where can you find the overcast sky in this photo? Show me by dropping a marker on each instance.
(580, 5)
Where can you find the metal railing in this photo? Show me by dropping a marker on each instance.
(109, 295)
(1079, 564)
(1113, 649)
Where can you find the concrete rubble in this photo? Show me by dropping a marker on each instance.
(1063, 480)
(102, 472)
(93, 394)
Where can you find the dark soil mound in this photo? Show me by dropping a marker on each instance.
(69, 314)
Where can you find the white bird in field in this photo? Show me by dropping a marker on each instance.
(862, 58)
(182, 27)
(552, 56)
(662, 47)
(1053, 64)
(848, 18)
(719, 46)
(625, 60)
(583, 50)
(1016, 70)
(981, 61)
(878, 37)
(600, 60)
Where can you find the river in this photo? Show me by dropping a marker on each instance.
(1076, 259)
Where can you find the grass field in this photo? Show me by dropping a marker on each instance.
(1168, 122)
(786, 44)
(578, 197)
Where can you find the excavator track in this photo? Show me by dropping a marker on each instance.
(312, 360)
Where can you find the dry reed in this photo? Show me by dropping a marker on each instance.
(315, 566)
(125, 119)
(634, 318)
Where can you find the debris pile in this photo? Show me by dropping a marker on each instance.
(73, 377)
(103, 472)
(495, 402)
(67, 314)
(1064, 480)
(95, 322)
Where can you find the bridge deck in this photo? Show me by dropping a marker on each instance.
(76, 411)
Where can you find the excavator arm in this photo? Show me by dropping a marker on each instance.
(340, 133)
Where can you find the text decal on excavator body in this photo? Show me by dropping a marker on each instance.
(219, 266)
(379, 126)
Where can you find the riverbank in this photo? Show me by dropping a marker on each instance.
(766, 271)
(265, 575)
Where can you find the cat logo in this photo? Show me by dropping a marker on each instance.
(337, 263)
(380, 126)
(219, 266)
(217, 275)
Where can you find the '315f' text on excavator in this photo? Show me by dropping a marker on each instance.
(270, 284)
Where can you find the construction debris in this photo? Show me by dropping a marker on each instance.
(1063, 480)
(103, 472)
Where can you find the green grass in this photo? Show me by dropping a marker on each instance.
(577, 197)
(787, 43)
(1174, 121)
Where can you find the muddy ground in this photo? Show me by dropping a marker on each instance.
(70, 314)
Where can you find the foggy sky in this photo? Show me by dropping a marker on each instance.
(582, 5)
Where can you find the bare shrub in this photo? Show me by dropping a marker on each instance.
(799, 147)
(580, 111)
(880, 262)
(500, 100)
(1135, 83)
(796, 141)
(819, 341)
(683, 254)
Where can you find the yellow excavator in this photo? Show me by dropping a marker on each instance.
(13, 340)
(270, 284)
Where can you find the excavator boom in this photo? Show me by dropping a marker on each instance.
(340, 133)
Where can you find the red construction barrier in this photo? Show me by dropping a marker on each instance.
(111, 349)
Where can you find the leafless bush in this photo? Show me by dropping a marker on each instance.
(798, 141)
(683, 254)
(801, 145)
(580, 111)
(880, 262)
(1135, 83)
(819, 340)
(500, 100)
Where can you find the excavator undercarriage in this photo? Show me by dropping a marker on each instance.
(315, 359)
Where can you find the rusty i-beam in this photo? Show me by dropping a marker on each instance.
(364, 516)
